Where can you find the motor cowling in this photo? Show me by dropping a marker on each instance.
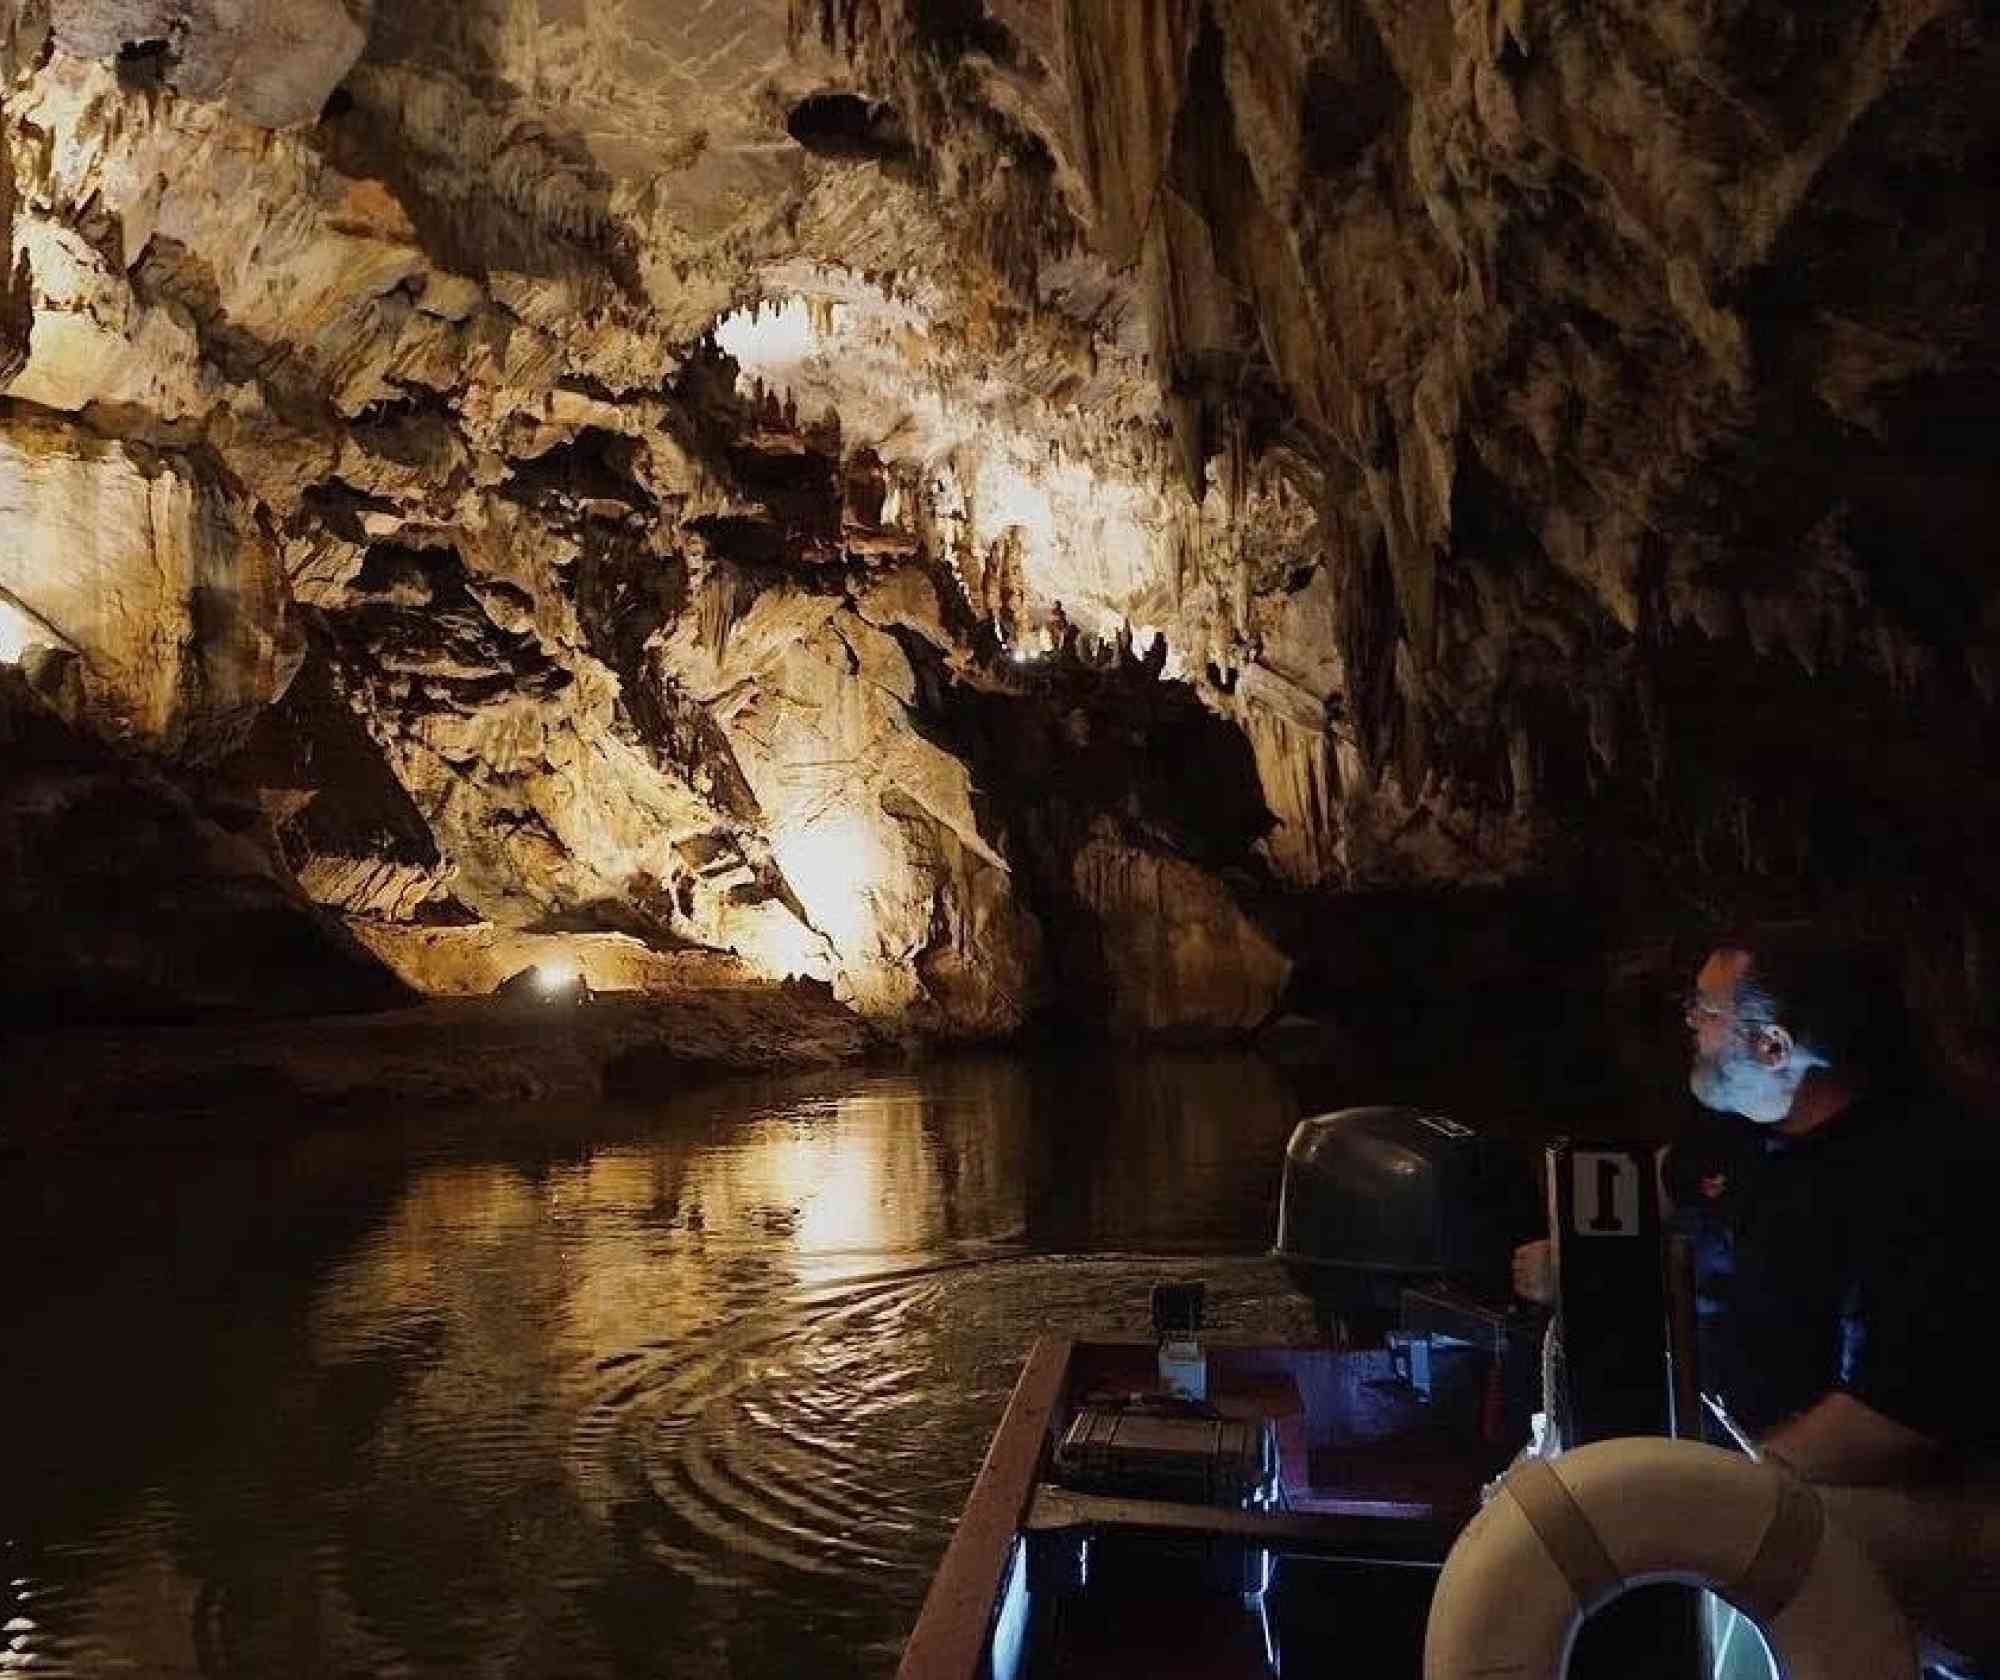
(1377, 1200)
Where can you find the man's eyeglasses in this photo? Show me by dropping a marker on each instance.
(1698, 1012)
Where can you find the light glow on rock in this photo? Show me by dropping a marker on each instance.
(554, 977)
(784, 947)
(18, 632)
(832, 861)
(1094, 541)
(771, 341)
(1086, 541)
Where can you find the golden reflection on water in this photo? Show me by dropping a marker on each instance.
(567, 1394)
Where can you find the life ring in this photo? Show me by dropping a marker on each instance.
(1562, 1537)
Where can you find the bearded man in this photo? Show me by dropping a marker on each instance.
(1844, 1236)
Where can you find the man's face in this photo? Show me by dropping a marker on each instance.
(1742, 1061)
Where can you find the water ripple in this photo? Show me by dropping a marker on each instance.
(703, 1397)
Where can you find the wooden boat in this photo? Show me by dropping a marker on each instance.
(1381, 1451)
(1374, 1488)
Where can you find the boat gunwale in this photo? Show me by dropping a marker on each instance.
(957, 1617)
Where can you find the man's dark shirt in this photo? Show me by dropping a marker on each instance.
(1855, 1258)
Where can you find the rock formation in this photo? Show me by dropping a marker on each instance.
(689, 477)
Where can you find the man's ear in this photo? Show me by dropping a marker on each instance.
(1772, 1045)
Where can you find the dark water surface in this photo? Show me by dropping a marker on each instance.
(694, 1389)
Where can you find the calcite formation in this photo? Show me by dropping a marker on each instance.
(626, 469)
(141, 564)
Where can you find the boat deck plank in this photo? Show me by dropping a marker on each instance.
(1338, 1538)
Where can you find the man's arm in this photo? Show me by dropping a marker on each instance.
(1840, 1439)
(1535, 1271)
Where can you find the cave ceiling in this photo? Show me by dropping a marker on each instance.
(594, 467)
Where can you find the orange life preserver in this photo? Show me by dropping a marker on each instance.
(1562, 1537)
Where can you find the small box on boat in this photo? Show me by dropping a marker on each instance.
(1231, 1462)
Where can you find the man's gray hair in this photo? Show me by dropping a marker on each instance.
(1839, 996)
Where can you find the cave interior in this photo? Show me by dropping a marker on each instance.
(946, 521)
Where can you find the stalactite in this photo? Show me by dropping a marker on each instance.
(1234, 463)
(725, 597)
(1186, 416)
(1601, 709)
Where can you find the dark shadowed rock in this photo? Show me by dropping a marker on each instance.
(123, 893)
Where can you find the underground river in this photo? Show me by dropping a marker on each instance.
(694, 1388)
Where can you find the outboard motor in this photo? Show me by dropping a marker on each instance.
(1379, 1200)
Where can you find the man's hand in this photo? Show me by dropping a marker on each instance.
(1535, 1271)
(1841, 1439)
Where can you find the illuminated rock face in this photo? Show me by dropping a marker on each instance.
(1178, 956)
(1641, 373)
(605, 633)
(140, 563)
(616, 471)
